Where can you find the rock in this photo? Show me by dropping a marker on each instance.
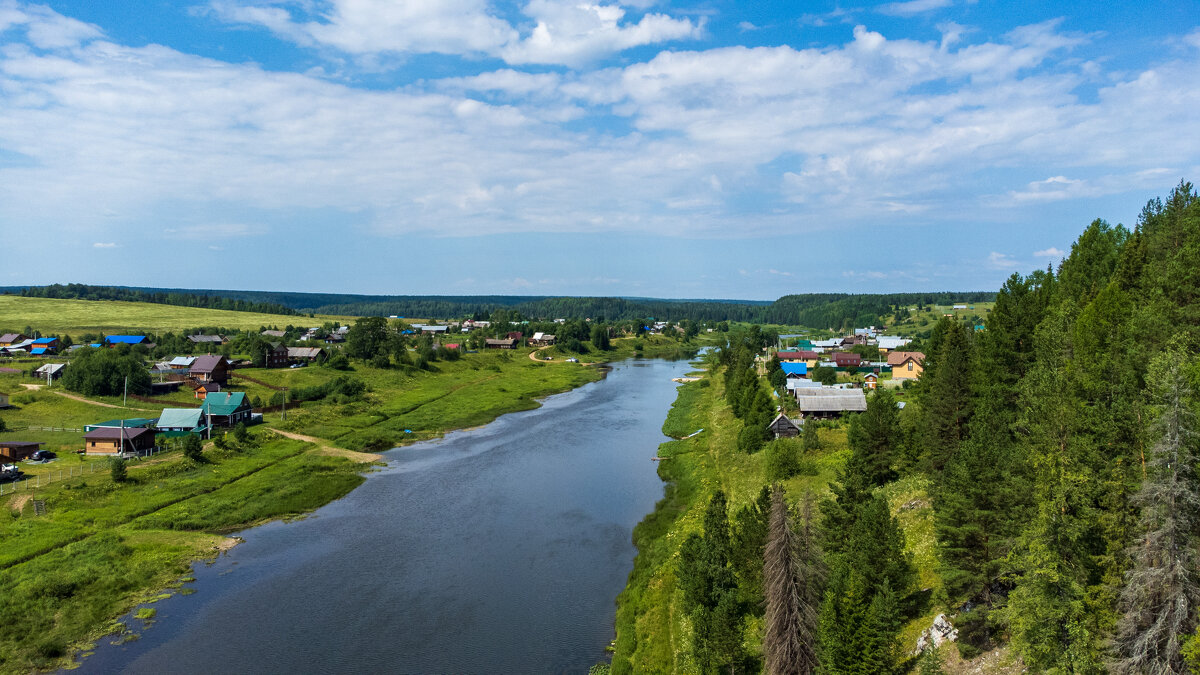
(941, 631)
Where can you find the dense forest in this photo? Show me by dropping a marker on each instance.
(835, 311)
(159, 297)
(1060, 444)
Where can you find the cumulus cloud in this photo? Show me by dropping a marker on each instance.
(1051, 252)
(104, 245)
(723, 142)
(565, 32)
(1001, 261)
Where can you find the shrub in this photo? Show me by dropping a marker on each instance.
(116, 467)
(192, 447)
(783, 460)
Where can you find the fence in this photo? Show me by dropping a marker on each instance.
(74, 431)
(255, 381)
(29, 483)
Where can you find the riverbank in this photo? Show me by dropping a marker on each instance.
(653, 633)
(57, 585)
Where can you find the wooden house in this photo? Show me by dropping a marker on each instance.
(805, 356)
(783, 427)
(794, 370)
(542, 340)
(906, 365)
(509, 343)
(226, 408)
(16, 451)
(870, 381)
(45, 346)
(515, 335)
(181, 363)
(306, 354)
(211, 368)
(276, 356)
(10, 339)
(273, 333)
(119, 441)
(181, 419)
(209, 340)
(114, 340)
(846, 360)
(828, 402)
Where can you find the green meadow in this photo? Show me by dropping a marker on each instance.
(75, 317)
(103, 547)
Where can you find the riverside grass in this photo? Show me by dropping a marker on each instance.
(653, 631)
(75, 317)
(59, 585)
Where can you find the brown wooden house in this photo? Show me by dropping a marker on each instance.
(10, 339)
(211, 368)
(509, 343)
(118, 441)
(206, 388)
(276, 356)
(783, 427)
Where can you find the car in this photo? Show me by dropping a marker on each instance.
(572, 360)
(9, 472)
(42, 456)
(297, 365)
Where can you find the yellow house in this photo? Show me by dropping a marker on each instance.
(803, 356)
(906, 365)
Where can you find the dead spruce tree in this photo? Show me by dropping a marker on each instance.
(1159, 601)
(789, 575)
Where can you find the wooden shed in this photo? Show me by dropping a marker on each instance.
(783, 427)
(211, 368)
(15, 451)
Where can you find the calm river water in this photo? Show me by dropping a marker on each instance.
(496, 550)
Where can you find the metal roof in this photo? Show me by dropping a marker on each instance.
(187, 418)
(811, 399)
(224, 402)
(125, 339)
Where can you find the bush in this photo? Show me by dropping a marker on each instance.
(750, 439)
(338, 362)
(192, 447)
(116, 467)
(783, 459)
(381, 361)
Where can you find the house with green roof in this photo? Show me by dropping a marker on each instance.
(226, 408)
(176, 422)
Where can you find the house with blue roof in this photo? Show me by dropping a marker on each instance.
(44, 346)
(112, 340)
(794, 370)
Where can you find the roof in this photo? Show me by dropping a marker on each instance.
(224, 402)
(493, 341)
(207, 363)
(833, 342)
(451, 345)
(127, 423)
(179, 417)
(125, 339)
(897, 358)
(813, 399)
(274, 333)
(11, 337)
(891, 342)
(20, 444)
(39, 350)
(45, 341)
(794, 383)
(304, 352)
(209, 338)
(209, 387)
(114, 433)
(182, 361)
(50, 368)
(802, 354)
(794, 368)
(783, 417)
(844, 357)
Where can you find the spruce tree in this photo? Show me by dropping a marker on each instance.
(789, 643)
(947, 400)
(1159, 602)
(874, 438)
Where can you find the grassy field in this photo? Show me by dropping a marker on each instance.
(653, 632)
(75, 317)
(921, 322)
(103, 547)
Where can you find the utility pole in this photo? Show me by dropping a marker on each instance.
(125, 395)
(285, 396)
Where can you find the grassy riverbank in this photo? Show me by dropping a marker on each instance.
(653, 632)
(102, 547)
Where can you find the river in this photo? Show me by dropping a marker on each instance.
(493, 550)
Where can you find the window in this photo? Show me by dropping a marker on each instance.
(910, 366)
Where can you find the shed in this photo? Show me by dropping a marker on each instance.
(119, 441)
(15, 451)
(131, 423)
(4, 400)
(52, 370)
(206, 388)
(783, 427)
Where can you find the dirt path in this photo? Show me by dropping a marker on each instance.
(533, 354)
(85, 400)
(327, 449)
(34, 387)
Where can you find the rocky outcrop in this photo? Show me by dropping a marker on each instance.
(941, 631)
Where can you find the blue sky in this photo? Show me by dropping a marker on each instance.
(582, 147)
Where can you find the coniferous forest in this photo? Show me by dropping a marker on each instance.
(1060, 443)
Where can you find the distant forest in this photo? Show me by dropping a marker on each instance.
(837, 311)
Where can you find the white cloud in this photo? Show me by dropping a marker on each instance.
(913, 7)
(104, 245)
(564, 32)
(1001, 261)
(1051, 252)
(211, 231)
(873, 130)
